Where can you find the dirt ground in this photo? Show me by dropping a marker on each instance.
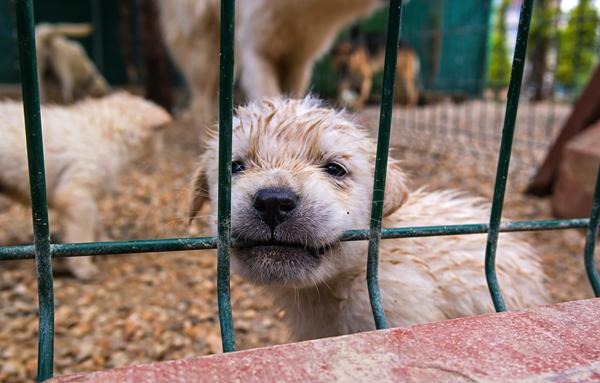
(152, 307)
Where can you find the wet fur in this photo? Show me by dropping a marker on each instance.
(286, 143)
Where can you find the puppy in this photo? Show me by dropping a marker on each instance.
(86, 145)
(359, 61)
(67, 60)
(302, 175)
(276, 44)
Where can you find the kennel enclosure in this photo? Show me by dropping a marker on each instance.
(42, 250)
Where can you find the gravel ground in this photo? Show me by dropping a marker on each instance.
(152, 307)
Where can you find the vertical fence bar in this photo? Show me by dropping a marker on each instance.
(381, 160)
(97, 48)
(37, 184)
(590, 240)
(514, 91)
(224, 202)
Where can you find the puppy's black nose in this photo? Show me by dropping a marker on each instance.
(274, 205)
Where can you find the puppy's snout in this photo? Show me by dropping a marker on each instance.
(274, 205)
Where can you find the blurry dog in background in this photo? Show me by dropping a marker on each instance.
(276, 44)
(359, 60)
(302, 175)
(67, 61)
(86, 145)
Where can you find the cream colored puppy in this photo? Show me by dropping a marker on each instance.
(276, 44)
(77, 74)
(302, 175)
(86, 145)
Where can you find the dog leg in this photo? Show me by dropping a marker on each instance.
(79, 220)
(365, 91)
(259, 77)
(66, 87)
(402, 95)
(202, 110)
(41, 63)
(295, 78)
(65, 73)
(412, 92)
(407, 92)
(201, 73)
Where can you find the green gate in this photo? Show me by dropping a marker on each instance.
(43, 251)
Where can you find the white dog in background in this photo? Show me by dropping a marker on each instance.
(86, 145)
(276, 44)
(68, 61)
(302, 175)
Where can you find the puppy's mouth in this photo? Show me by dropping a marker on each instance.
(277, 262)
(269, 245)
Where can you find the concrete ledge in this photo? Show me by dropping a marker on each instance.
(558, 343)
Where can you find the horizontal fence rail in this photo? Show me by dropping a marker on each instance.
(43, 251)
(62, 250)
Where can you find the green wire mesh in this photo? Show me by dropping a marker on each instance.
(62, 250)
(42, 250)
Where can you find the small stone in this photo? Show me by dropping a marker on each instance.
(119, 359)
(86, 347)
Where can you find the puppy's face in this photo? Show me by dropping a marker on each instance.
(301, 175)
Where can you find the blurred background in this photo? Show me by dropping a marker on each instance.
(463, 49)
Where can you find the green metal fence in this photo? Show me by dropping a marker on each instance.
(43, 251)
(448, 127)
(462, 109)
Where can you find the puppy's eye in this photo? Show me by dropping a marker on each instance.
(335, 170)
(237, 167)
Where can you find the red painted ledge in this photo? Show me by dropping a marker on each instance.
(558, 343)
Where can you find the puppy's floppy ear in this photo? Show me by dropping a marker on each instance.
(199, 191)
(396, 191)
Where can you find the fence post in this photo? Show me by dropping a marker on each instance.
(37, 184)
(381, 160)
(224, 202)
(512, 105)
(590, 240)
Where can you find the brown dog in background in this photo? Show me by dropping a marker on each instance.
(358, 61)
